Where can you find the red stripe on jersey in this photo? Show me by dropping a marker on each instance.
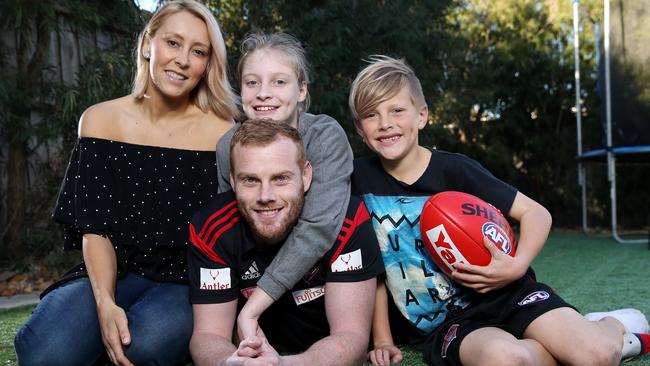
(214, 215)
(200, 244)
(222, 230)
(349, 227)
(225, 218)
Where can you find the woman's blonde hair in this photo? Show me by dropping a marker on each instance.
(282, 42)
(213, 92)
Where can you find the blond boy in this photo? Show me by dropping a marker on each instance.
(492, 315)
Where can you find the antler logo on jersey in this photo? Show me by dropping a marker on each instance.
(348, 262)
(215, 279)
(445, 247)
(497, 236)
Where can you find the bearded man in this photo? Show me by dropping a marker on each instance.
(325, 319)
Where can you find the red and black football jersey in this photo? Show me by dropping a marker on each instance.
(225, 263)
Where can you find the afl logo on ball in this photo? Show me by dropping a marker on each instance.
(497, 236)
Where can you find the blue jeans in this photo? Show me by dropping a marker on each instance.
(64, 329)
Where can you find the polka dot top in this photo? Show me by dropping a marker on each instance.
(140, 197)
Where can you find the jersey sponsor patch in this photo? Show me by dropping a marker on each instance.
(215, 279)
(534, 297)
(348, 262)
(252, 272)
(308, 294)
(449, 337)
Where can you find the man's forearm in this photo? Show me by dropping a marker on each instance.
(340, 349)
(209, 349)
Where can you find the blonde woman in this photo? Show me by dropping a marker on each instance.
(142, 165)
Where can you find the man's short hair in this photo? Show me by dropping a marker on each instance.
(382, 79)
(263, 132)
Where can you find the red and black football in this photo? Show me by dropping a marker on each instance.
(453, 225)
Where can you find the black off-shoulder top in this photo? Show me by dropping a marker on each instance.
(139, 197)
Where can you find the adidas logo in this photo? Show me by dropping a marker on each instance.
(252, 272)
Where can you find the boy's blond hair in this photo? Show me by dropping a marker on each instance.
(382, 79)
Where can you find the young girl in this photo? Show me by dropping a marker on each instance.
(273, 77)
(142, 165)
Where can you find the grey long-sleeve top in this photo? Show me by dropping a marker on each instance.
(328, 150)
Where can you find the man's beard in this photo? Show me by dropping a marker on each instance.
(276, 233)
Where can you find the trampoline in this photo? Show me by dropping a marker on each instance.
(627, 135)
(629, 152)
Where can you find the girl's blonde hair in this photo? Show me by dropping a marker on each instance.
(213, 92)
(284, 43)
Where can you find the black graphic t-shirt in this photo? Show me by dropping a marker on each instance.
(422, 293)
(225, 264)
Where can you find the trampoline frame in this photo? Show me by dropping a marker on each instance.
(610, 151)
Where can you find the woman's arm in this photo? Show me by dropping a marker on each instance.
(101, 265)
(100, 258)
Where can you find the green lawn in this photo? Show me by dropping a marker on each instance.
(10, 320)
(593, 273)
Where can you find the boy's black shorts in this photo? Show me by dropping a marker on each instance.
(511, 308)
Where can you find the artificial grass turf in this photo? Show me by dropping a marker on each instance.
(10, 321)
(593, 273)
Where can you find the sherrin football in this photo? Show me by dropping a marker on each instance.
(453, 226)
